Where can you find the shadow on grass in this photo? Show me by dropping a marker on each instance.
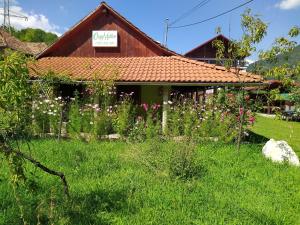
(256, 138)
(99, 207)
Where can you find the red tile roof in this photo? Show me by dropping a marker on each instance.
(173, 69)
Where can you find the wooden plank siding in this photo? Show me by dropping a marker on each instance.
(131, 43)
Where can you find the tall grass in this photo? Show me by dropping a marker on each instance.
(150, 183)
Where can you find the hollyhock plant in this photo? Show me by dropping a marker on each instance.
(145, 106)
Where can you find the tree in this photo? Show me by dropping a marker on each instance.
(15, 110)
(288, 73)
(34, 35)
(254, 30)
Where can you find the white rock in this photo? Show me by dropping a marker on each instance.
(114, 136)
(280, 151)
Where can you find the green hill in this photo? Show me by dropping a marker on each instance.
(292, 58)
(34, 35)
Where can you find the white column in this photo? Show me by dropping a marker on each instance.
(166, 90)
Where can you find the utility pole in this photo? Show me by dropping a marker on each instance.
(166, 32)
(7, 13)
(6, 19)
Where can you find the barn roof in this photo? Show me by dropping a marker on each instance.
(220, 37)
(170, 69)
(99, 9)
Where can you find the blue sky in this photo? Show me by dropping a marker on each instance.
(149, 15)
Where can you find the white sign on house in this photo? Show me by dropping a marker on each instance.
(105, 38)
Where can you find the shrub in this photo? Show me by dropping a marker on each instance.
(102, 124)
(74, 123)
(183, 163)
(46, 114)
(137, 132)
(124, 119)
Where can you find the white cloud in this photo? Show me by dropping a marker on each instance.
(288, 4)
(249, 61)
(33, 20)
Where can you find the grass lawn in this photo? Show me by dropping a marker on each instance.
(121, 183)
(279, 130)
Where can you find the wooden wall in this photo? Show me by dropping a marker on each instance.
(206, 51)
(131, 43)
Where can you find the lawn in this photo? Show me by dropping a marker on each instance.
(279, 130)
(153, 183)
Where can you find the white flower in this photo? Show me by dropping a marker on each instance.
(52, 106)
(91, 123)
(170, 103)
(47, 100)
(59, 98)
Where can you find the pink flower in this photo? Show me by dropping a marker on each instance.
(251, 120)
(241, 111)
(145, 106)
(155, 107)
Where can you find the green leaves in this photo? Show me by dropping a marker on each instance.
(294, 31)
(254, 30)
(15, 92)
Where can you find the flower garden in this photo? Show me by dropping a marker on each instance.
(100, 113)
(190, 174)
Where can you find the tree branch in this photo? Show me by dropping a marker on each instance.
(9, 150)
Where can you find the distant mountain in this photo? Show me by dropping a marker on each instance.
(291, 58)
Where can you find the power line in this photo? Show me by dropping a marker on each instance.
(199, 5)
(211, 18)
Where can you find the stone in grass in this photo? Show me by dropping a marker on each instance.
(280, 151)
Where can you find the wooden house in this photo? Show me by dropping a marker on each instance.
(105, 44)
(206, 52)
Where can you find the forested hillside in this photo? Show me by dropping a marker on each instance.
(34, 35)
(292, 58)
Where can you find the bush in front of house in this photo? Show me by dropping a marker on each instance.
(46, 115)
(216, 118)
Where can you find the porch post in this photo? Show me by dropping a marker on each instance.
(166, 90)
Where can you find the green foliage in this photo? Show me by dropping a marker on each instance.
(74, 123)
(15, 94)
(184, 164)
(125, 116)
(137, 132)
(34, 35)
(280, 62)
(46, 115)
(103, 124)
(254, 30)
